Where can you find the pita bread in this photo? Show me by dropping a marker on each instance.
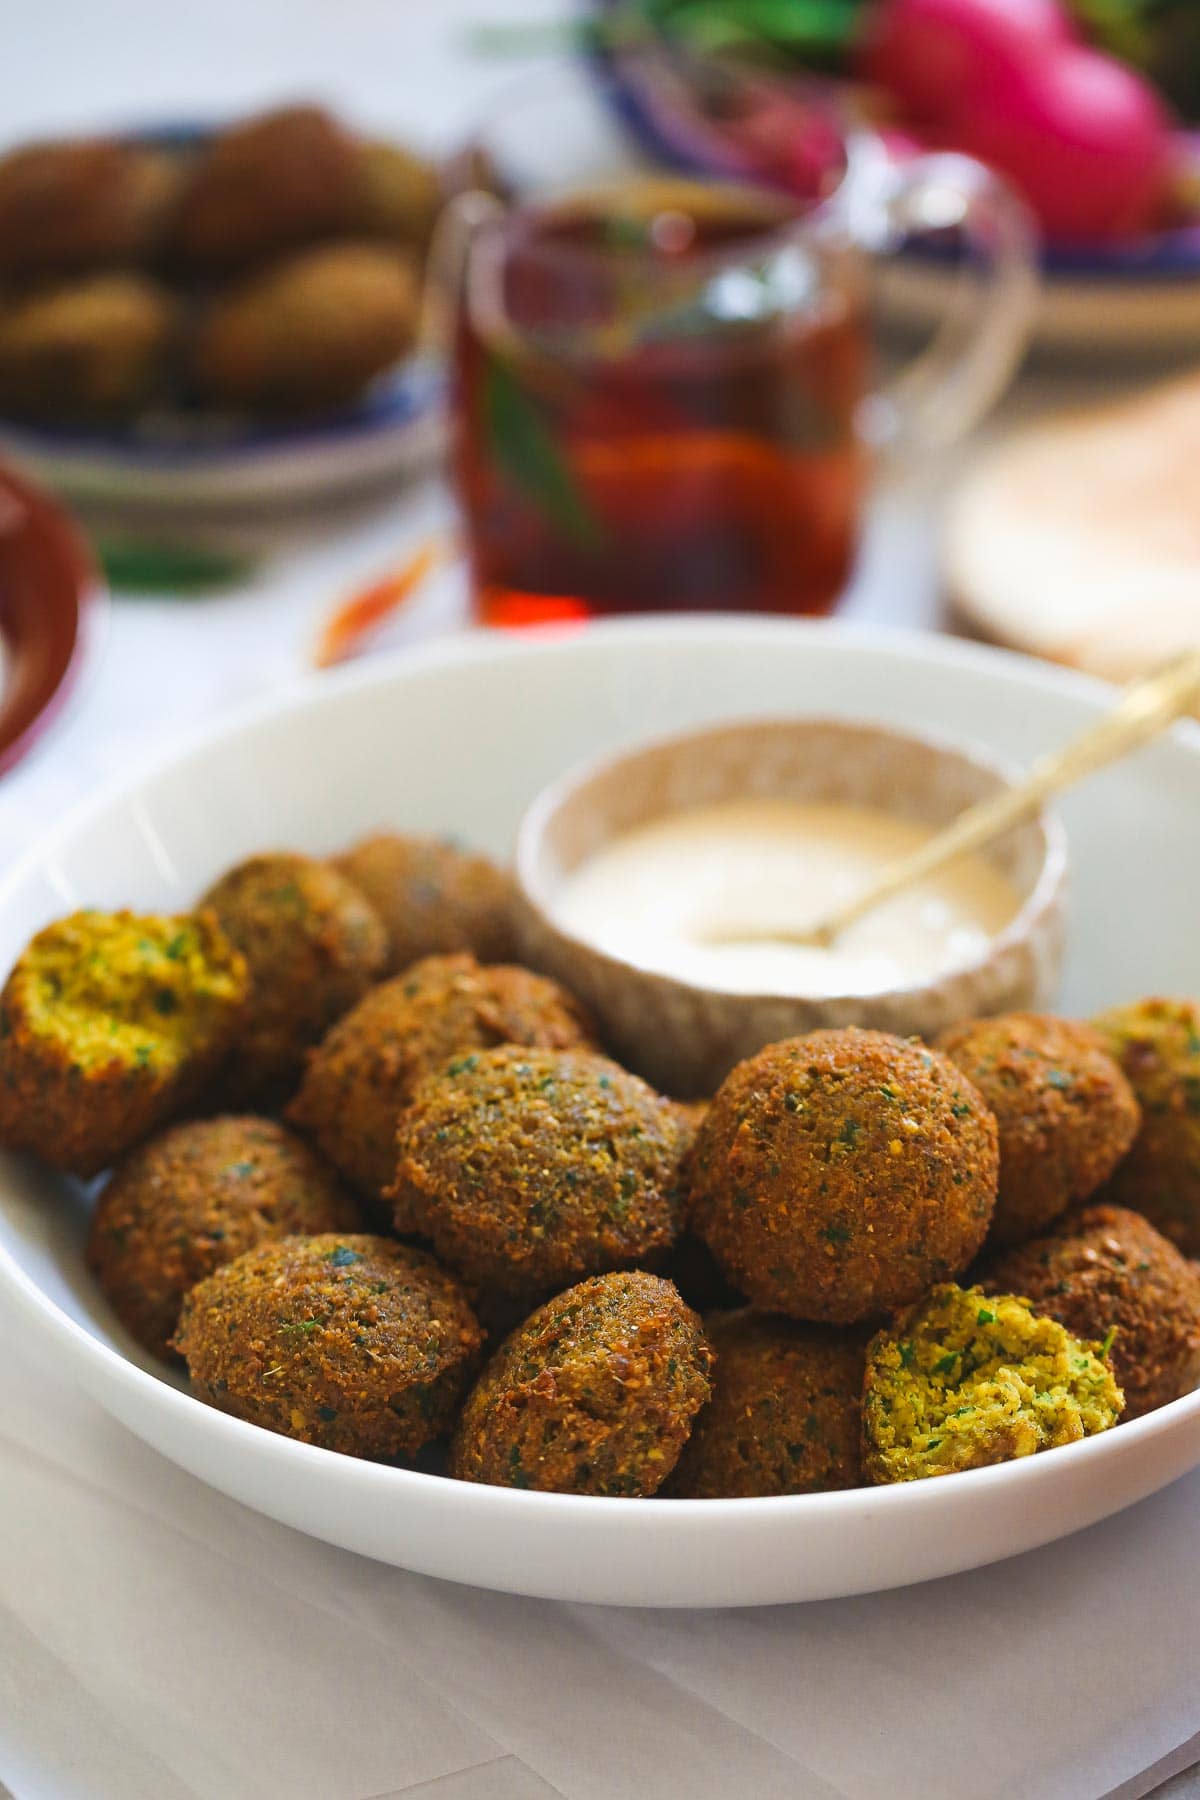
(1078, 538)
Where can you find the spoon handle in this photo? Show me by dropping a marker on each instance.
(1144, 710)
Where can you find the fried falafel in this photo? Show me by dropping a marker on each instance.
(360, 1077)
(529, 1169)
(785, 1415)
(313, 945)
(965, 1379)
(1106, 1273)
(1065, 1111)
(837, 1176)
(594, 1394)
(352, 1342)
(111, 1023)
(196, 1196)
(1157, 1043)
(435, 897)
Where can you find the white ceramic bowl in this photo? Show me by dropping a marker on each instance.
(461, 737)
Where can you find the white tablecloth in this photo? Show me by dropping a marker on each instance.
(159, 1641)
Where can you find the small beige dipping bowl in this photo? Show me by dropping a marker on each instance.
(685, 1037)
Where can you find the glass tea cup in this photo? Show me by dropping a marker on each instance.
(663, 391)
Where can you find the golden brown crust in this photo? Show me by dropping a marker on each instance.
(309, 332)
(361, 1076)
(1106, 1267)
(313, 945)
(264, 186)
(352, 1342)
(195, 1197)
(594, 1394)
(786, 1412)
(1157, 1043)
(86, 203)
(435, 897)
(839, 1175)
(1066, 1113)
(529, 1169)
(97, 347)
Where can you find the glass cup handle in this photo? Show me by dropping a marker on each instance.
(458, 223)
(938, 397)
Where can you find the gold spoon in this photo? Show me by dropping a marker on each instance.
(1145, 709)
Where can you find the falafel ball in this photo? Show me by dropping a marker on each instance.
(839, 1175)
(594, 1394)
(97, 348)
(528, 1169)
(966, 1379)
(195, 1197)
(1066, 1113)
(310, 332)
(87, 203)
(265, 186)
(110, 1024)
(434, 896)
(360, 1077)
(1105, 1268)
(355, 1343)
(785, 1415)
(400, 194)
(1157, 1043)
(313, 945)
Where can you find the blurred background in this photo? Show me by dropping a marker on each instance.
(332, 329)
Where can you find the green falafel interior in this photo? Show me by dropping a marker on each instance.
(965, 1379)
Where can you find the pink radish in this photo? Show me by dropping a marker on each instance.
(1084, 138)
(938, 57)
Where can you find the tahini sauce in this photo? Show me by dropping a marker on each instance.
(663, 895)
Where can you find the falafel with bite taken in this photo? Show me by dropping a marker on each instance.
(110, 1024)
(1157, 1043)
(965, 1379)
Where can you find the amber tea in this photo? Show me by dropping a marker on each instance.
(658, 393)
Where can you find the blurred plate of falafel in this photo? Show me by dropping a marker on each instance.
(208, 316)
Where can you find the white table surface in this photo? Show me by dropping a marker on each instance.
(159, 1641)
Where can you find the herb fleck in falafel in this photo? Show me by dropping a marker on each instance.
(109, 1024)
(1107, 1273)
(313, 945)
(528, 1169)
(594, 1394)
(355, 1343)
(195, 1197)
(786, 1411)
(361, 1076)
(838, 1175)
(1066, 1113)
(434, 896)
(966, 1379)
(1157, 1043)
